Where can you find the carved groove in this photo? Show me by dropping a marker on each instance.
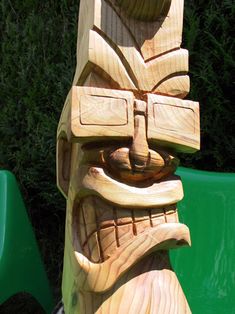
(116, 226)
(161, 54)
(120, 55)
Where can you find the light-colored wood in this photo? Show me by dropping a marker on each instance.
(98, 113)
(132, 54)
(99, 277)
(146, 10)
(174, 123)
(95, 181)
(121, 127)
(143, 289)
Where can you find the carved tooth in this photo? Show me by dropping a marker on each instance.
(94, 248)
(88, 210)
(79, 225)
(82, 235)
(123, 216)
(142, 226)
(171, 214)
(108, 241)
(141, 215)
(156, 212)
(104, 213)
(91, 228)
(89, 216)
(172, 217)
(125, 233)
(150, 218)
(158, 219)
(170, 208)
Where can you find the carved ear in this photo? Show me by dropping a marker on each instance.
(64, 146)
(145, 10)
(63, 165)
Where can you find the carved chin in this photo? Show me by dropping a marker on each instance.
(106, 246)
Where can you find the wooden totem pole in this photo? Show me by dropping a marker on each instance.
(122, 125)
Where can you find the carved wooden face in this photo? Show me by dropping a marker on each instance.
(117, 167)
(132, 138)
(146, 10)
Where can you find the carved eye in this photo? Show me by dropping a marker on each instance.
(174, 118)
(173, 123)
(105, 111)
(100, 114)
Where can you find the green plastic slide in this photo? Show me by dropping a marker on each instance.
(206, 271)
(21, 268)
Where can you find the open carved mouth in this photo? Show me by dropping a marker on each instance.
(101, 227)
(114, 224)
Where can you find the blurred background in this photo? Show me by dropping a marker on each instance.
(38, 59)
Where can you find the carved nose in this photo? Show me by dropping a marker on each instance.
(138, 162)
(139, 151)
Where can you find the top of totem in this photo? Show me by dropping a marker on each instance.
(145, 10)
(132, 45)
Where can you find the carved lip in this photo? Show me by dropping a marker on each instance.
(101, 277)
(94, 181)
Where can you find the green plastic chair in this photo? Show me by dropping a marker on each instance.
(21, 268)
(206, 271)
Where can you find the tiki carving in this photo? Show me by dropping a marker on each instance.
(122, 125)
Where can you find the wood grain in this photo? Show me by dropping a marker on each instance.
(122, 125)
(174, 122)
(98, 113)
(131, 54)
